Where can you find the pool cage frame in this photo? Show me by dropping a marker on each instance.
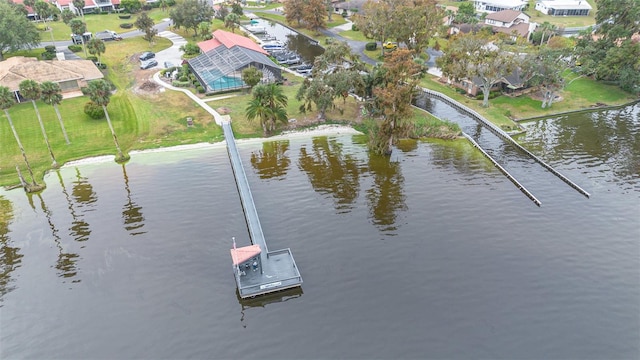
(214, 68)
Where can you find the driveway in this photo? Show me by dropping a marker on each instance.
(172, 54)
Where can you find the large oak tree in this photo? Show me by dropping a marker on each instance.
(475, 57)
(17, 31)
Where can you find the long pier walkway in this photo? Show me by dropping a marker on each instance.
(257, 270)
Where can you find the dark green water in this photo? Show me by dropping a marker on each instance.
(430, 254)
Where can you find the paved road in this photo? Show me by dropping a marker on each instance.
(63, 45)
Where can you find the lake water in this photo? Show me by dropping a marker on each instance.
(431, 253)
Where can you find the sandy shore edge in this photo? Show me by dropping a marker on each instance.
(321, 130)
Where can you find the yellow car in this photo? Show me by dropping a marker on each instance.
(390, 45)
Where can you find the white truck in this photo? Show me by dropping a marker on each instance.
(108, 35)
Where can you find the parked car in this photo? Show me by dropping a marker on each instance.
(148, 64)
(390, 45)
(147, 55)
(168, 64)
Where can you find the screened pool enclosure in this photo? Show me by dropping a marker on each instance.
(220, 69)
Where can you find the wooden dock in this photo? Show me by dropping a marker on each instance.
(257, 270)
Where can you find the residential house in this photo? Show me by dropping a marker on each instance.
(31, 14)
(71, 75)
(511, 22)
(219, 67)
(90, 6)
(348, 8)
(491, 6)
(563, 7)
(509, 84)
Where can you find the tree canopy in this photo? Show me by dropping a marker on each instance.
(190, 13)
(17, 31)
(613, 54)
(145, 24)
(475, 57)
(412, 22)
(310, 13)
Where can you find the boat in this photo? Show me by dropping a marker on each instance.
(273, 45)
(256, 29)
(291, 59)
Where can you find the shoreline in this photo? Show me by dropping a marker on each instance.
(320, 130)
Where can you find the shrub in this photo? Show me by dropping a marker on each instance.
(190, 49)
(354, 27)
(328, 40)
(177, 83)
(75, 48)
(48, 56)
(370, 46)
(183, 79)
(171, 2)
(93, 58)
(125, 17)
(101, 65)
(126, 25)
(50, 49)
(93, 110)
(492, 95)
(200, 89)
(207, 36)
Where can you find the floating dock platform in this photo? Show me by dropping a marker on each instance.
(257, 270)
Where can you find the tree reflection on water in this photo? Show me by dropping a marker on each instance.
(272, 161)
(332, 172)
(66, 264)
(131, 212)
(10, 257)
(386, 197)
(85, 198)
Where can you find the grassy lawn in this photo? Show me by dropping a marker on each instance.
(97, 22)
(354, 35)
(582, 93)
(244, 127)
(141, 122)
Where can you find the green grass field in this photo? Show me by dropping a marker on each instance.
(141, 122)
(95, 23)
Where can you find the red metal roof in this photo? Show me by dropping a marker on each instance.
(241, 255)
(229, 40)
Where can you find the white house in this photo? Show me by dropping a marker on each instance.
(510, 22)
(563, 7)
(491, 6)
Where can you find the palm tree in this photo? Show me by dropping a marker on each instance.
(31, 90)
(96, 47)
(231, 21)
(46, 10)
(78, 27)
(52, 95)
(547, 27)
(269, 104)
(6, 102)
(79, 5)
(100, 93)
(257, 109)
